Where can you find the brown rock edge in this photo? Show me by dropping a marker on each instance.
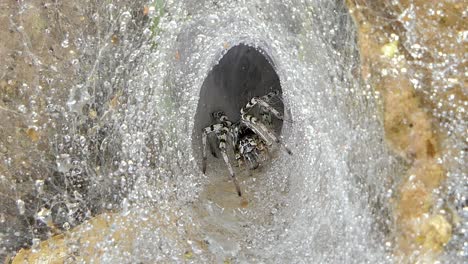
(421, 231)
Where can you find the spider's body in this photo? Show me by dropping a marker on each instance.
(248, 138)
(248, 148)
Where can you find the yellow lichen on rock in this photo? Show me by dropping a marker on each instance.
(435, 233)
(33, 134)
(428, 172)
(84, 243)
(188, 255)
(389, 50)
(424, 234)
(399, 103)
(415, 199)
(50, 251)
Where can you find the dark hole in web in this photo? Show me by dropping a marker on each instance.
(242, 73)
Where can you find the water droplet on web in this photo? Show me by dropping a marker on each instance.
(63, 163)
(123, 166)
(39, 186)
(36, 245)
(65, 43)
(44, 215)
(125, 207)
(22, 109)
(21, 206)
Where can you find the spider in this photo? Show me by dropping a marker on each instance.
(249, 146)
(258, 127)
(248, 137)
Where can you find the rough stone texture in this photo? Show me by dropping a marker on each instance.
(410, 116)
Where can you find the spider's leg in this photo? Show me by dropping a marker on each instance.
(237, 156)
(253, 160)
(231, 171)
(283, 145)
(277, 141)
(258, 132)
(270, 108)
(266, 118)
(270, 95)
(265, 101)
(258, 128)
(222, 147)
(212, 148)
(240, 162)
(252, 102)
(204, 136)
(235, 148)
(252, 121)
(267, 153)
(205, 132)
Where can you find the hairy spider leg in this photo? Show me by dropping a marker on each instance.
(235, 131)
(256, 126)
(205, 132)
(235, 148)
(262, 101)
(248, 149)
(258, 131)
(212, 149)
(270, 108)
(221, 131)
(222, 137)
(223, 124)
(266, 118)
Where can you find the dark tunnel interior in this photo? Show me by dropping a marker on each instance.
(242, 73)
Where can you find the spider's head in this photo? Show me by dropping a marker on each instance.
(218, 115)
(250, 151)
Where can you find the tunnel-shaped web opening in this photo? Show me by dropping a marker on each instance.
(242, 73)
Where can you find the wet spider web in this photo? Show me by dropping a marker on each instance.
(95, 98)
